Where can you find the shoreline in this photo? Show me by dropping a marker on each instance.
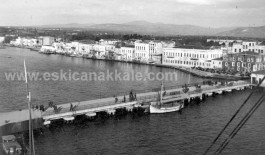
(197, 73)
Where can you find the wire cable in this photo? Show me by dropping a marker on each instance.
(232, 118)
(240, 125)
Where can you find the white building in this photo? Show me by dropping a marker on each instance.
(46, 40)
(190, 57)
(127, 53)
(147, 51)
(217, 63)
(45, 48)
(85, 48)
(260, 49)
(142, 51)
(244, 47)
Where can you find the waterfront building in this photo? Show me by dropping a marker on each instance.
(190, 57)
(142, 51)
(47, 40)
(127, 53)
(217, 63)
(59, 47)
(84, 49)
(146, 51)
(17, 42)
(243, 62)
(46, 48)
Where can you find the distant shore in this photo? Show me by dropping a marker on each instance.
(194, 72)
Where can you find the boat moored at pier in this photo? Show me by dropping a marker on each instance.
(165, 105)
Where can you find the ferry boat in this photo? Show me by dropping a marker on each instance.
(10, 145)
(165, 105)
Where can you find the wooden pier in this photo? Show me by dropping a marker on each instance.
(89, 108)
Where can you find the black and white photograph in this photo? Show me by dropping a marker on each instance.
(138, 77)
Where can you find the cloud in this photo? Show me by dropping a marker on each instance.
(198, 12)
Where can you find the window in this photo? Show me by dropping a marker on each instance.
(239, 59)
(234, 59)
(235, 50)
(238, 68)
(233, 63)
(238, 64)
(248, 60)
(252, 59)
(226, 64)
(249, 65)
(239, 50)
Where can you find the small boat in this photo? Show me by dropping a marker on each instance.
(10, 145)
(165, 105)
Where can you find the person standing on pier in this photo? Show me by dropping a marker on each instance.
(135, 98)
(131, 96)
(124, 99)
(116, 99)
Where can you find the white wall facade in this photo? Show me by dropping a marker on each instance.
(142, 51)
(127, 53)
(190, 57)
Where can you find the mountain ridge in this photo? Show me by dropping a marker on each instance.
(145, 27)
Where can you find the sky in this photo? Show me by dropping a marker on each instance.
(206, 13)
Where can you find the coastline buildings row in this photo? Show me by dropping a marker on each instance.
(241, 56)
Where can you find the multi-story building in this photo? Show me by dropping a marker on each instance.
(244, 47)
(148, 51)
(190, 57)
(260, 49)
(46, 40)
(142, 51)
(217, 63)
(127, 53)
(243, 62)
